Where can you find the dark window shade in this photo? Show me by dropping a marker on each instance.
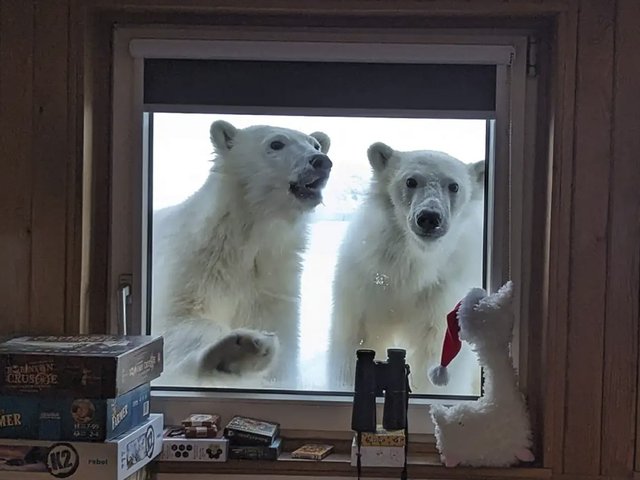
(320, 84)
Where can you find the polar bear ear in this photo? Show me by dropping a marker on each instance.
(476, 172)
(222, 134)
(379, 155)
(323, 139)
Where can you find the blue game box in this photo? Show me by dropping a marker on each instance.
(73, 419)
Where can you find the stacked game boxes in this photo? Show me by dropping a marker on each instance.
(77, 407)
(253, 439)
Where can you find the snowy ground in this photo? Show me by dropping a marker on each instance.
(316, 301)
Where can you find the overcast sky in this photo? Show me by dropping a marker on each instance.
(182, 149)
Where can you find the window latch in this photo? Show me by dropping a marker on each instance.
(532, 57)
(124, 302)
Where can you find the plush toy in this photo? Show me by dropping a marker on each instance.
(494, 430)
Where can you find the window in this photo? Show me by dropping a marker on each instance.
(181, 148)
(463, 96)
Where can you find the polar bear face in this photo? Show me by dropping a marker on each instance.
(278, 167)
(426, 189)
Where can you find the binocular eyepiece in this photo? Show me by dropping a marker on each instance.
(377, 378)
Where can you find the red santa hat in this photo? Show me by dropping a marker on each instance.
(439, 375)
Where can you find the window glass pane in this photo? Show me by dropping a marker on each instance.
(395, 240)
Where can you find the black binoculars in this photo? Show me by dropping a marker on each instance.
(373, 377)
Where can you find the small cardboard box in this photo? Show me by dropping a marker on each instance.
(178, 448)
(383, 438)
(71, 418)
(90, 366)
(377, 455)
(114, 459)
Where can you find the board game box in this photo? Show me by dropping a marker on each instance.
(115, 459)
(383, 438)
(377, 455)
(178, 448)
(202, 420)
(251, 431)
(256, 452)
(312, 451)
(91, 366)
(71, 418)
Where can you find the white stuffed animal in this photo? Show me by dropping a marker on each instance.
(494, 430)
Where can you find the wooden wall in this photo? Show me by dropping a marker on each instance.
(53, 133)
(38, 182)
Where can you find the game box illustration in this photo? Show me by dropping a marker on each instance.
(115, 459)
(383, 438)
(91, 366)
(251, 431)
(312, 451)
(178, 448)
(73, 418)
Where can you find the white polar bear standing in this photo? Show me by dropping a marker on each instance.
(413, 250)
(226, 261)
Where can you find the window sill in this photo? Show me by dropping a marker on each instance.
(421, 466)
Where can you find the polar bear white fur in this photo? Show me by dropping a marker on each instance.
(226, 261)
(413, 250)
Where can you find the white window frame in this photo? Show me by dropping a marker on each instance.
(510, 182)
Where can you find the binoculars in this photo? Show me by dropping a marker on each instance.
(375, 378)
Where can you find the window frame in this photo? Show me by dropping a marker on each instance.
(326, 414)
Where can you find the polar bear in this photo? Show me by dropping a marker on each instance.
(412, 251)
(226, 261)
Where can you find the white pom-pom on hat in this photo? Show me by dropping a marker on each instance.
(439, 375)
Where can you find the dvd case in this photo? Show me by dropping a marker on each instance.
(256, 452)
(251, 431)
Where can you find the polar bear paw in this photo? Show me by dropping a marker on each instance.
(241, 351)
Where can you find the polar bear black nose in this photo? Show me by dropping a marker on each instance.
(429, 220)
(321, 162)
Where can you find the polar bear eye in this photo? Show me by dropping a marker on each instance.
(412, 182)
(277, 145)
(454, 187)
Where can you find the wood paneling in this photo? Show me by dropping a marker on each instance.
(34, 141)
(16, 137)
(357, 8)
(623, 272)
(97, 150)
(49, 158)
(561, 174)
(589, 220)
(74, 319)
